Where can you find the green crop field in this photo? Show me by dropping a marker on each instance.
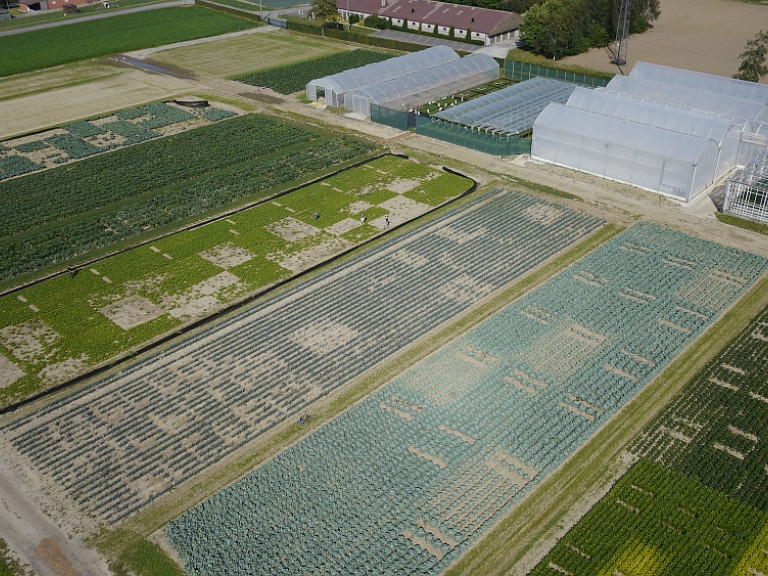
(294, 77)
(139, 189)
(56, 329)
(697, 500)
(657, 522)
(50, 47)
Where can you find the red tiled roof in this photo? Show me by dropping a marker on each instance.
(485, 20)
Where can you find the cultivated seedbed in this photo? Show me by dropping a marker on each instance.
(59, 328)
(81, 139)
(410, 478)
(697, 500)
(169, 416)
(50, 216)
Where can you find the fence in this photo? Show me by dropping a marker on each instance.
(453, 133)
(525, 71)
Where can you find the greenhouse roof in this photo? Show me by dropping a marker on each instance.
(388, 69)
(699, 81)
(651, 113)
(616, 131)
(720, 104)
(511, 110)
(422, 80)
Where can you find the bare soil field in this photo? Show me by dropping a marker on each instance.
(702, 35)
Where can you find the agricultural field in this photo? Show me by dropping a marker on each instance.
(60, 328)
(429, 108)
(81, 139)
(237, 55)
(154, 186)
(696, 501)
(295, 77)
(408, 479)
(161, 421)
(39, 49)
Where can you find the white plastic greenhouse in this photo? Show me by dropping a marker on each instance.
(335, 87)
(410, 89)
(699, 81)
(511, 110)
(670, 131)
(674, 164)
(722, 130)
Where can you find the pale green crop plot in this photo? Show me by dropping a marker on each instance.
(246, 53)
(52, 331)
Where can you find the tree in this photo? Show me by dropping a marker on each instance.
(326, 10)
(753, 59)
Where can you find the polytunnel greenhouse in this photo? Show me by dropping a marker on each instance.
(746, 193)
(410, 89)
(670, 131)
(335, 87)
(723, 131)
(511, 110)
(671, 163)
(689, 79)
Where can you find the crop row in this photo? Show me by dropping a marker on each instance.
(112, 197)
(441, 453)
(715, 430)
(271, 360)
(166, 273)
(658, 522)
(87, 137)
(295, 77)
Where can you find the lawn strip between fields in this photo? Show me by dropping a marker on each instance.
(539, 517)
(118, 542)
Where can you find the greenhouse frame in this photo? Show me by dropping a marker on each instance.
(336, 86)
(511, 110)
(406, 91)
(746, 193)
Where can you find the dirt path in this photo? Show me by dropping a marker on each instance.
(47, 548)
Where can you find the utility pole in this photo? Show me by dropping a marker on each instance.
(618, 51)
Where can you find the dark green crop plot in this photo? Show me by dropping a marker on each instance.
(50, 216)
(51, 47)
(294, 77)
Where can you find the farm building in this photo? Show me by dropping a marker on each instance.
(405, 81)
(41, 5)
(670, 131)
(489, 26)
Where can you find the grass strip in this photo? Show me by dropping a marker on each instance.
(742, 223)
(537, 516)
